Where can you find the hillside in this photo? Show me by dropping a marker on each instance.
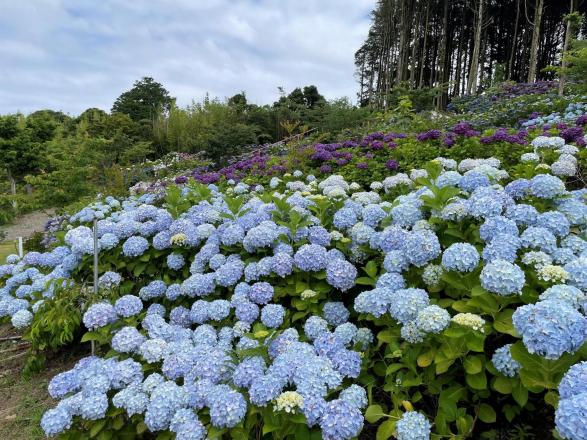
(420, 274)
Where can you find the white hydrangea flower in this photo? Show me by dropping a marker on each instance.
(470, 320)
(289, 401)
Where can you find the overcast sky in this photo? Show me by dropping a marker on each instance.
(69, 55)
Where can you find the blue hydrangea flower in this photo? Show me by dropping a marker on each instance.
(311, 258)
(522, 214)
(261, 293)
(460, 257)
(344, 218)
(405, 304)
(550, 328)
(413, 426)
(282, 264)
(21, 319)
(127, 339)
(199, 285)
(375, 302)
(227, 407)
(538, 238)
(94, 406)
(412, 333)
(396, 261)
(433, 319)
(555, 222)
(577, 270)
(421, 247)
(98, 315)
(340, 420)
(55, 421)
(175, 261)
(346, 332)
(406, 214)
(574, 381)
(272, 315)
(494, 226)
(471, 180)
(335, 313)
(502, 277)
(504, 362)
(319, 235)
(128, 305)
(248, 370)
(545, 186)
(341, 274)
(155, 289)
(230, 273)
(561, 292)
(109, 280)
(570, 417)
(391, 280)
(314, 327)
(246, 311)
(218, 309)
(135, 246)
(355, 395)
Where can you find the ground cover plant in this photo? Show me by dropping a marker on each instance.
(447, 302)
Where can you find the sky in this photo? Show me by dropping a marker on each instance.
(70, 55)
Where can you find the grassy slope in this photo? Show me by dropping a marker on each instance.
(6, 249)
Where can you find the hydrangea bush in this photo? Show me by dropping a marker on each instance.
(436, 303)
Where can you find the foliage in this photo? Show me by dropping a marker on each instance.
(143, 101)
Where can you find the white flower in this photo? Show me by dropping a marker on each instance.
(289, 401)
(470, 320)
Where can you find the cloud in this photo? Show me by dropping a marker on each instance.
(70, 55)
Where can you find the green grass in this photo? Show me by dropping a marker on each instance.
(24, 404)
(6, 248)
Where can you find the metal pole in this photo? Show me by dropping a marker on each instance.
(95, 268)
(20, 247)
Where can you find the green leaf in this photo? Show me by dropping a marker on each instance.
(371, 269)
(97, 427)
(473, 364)
(520, 393)
(478, 291)
(502, 385)
(552, 398)
(447, 401)
(487, 413)
(91, 336)
(141, 428)
(365, 281)
(385, 430)
(374, 413)
(538, 373)
(477, 381)
(503, 323)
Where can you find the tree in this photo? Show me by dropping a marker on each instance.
(20, 148)
(535, 40)
(472, 83)
(573, 21)
(144, 101)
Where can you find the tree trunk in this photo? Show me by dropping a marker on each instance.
(472, 83)
(12, 188)
(424, 48)
(568, 32)
(535, 41)
(440, 104)
(513, 45)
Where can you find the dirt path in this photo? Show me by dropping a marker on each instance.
(25, 225)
